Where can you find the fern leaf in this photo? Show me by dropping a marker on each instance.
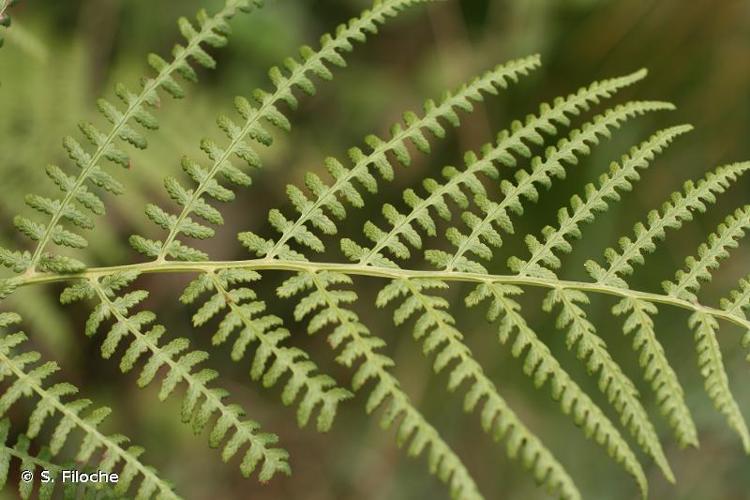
(511, 143)
(29, 380)
(543, 261)
(328, 307)
(435, 326)
(656, 368)
(542, 366)
(715, 375)
(685, 286)
(620, 177)
(737, 303)
(212, 31)
(245, 316)
(687, 282)
(486, 231)
(619, 389)
(202, 402)
(242, 137)
(318, 213)
(41, 461)
(695, 197)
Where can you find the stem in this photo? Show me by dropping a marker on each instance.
(379, 272)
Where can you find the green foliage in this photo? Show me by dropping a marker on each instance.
(201, 402)
(242, 137)
(612, 381)
(678, 209)
(686, 285)
(437, 329)
(736, 304)
(487, 193)
(357, 344)
(244, 316)
(36, 463)
(541, 365)
(29, 380)
(327, 196)
(78, 199)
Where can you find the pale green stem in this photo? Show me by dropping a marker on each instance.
(378, 272)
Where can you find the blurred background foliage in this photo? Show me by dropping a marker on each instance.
(61, 55)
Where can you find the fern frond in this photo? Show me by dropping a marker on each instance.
(242, 138)
(619, 389)
(656, 368)
(715, 375)
(38, 462)
(685, 286)
(511, 143)
(620, 177)
(486, 231)
(245, 316)
(543, 261)
(542, 366)
(687, 282)
(201, 403)
(737, 303)
(29, 380)
(435, 326)
(695, 197)
(329, 199)
(328, 307)
(78, 198)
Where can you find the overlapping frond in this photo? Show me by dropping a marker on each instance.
(436, 328)
(486, 231)
(678, 209)
(686, 285)
(243, 137)
(35, 464)
(243, 315)
(327, 303)
(79, 200)
(542, 366)
(583, 209)
(29, 376)
(203, 406)
(328, 203)
(511, 144)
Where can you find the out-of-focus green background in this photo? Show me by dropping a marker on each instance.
(61, 55)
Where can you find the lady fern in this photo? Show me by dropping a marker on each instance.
(475, 207)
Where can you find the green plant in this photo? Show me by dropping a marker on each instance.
(227, 293)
